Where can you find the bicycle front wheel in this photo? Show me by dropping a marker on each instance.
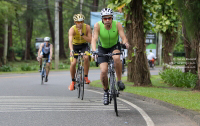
(82, 83)
(115, 102)
(114, 92)
(42, 75)
(77, 85)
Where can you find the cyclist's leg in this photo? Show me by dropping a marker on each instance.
(40, 61)
(86, 63)
(117, 61)
(103, 61)
(104, 74)
(118, 67)
(73, 68)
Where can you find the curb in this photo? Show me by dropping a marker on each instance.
(193, 115)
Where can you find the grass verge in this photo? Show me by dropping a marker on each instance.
(183, 97)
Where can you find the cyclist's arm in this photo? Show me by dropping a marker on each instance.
(121, 33)
(51, 51)
(95, 34)
(88, 35)
(71, 34)
(40, 49)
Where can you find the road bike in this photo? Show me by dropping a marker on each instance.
(113, 92)
(79, 76)
(43, 70)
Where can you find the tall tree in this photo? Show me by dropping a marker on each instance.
(166, 20)
(61, 38)
(29, 29)
(191, 18)
(138, 71)
(95, 5)
(11, 54)
(50, 22)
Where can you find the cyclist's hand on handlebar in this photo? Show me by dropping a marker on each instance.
(94, 53)
(72, 53)
(127, 45)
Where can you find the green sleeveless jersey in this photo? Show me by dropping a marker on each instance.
(108, 38)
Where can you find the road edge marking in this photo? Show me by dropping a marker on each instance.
(148, 120)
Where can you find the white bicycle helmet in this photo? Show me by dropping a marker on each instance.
(106, 11)
(78, 17)
(46, 39)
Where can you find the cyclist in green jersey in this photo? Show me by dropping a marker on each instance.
(108, 31)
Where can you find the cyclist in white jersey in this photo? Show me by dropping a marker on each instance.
(45, 51)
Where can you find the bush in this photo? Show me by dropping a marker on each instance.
(63, 66)
(178, 78)
(26, 67)
(6, 68)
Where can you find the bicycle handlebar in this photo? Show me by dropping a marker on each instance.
(109, 54)
(123, 46)
(80, 53)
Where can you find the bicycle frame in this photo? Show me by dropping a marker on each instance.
(43, 71)
(113, 92)
(80, 74)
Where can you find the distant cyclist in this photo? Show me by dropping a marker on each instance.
(108, 31)
(151, 58)
(79, 37)
(45, 51)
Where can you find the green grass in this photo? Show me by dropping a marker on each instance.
(183, 97)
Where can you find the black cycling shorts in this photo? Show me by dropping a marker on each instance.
(83, 47)
(105, 51)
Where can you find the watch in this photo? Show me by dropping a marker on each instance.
(82, 34)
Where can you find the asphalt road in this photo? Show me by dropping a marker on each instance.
(25, 102)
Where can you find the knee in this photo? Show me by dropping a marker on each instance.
(73, 64)
(117, 60)
(104, 73)
(86, 58)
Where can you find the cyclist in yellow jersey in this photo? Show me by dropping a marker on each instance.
(79, 37)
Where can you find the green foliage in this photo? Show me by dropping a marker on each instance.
(5, 68)
(63, 66)
(189, 11)
(177, 78)
(28, 67)
(165, 16)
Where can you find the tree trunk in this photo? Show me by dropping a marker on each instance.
(29, 28)
(62, 54)
(50, 22)
(189, 67)
(169, 41)
(5, 50)
(138, 71)
(1, 42)
(11, 54)
(197, 87)
(95, 5)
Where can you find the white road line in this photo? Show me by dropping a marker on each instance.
(141, 111)
(49, 103)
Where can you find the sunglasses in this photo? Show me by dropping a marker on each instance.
(107, 18)
(79, 22)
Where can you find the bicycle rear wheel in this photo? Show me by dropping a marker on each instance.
(82, 83)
